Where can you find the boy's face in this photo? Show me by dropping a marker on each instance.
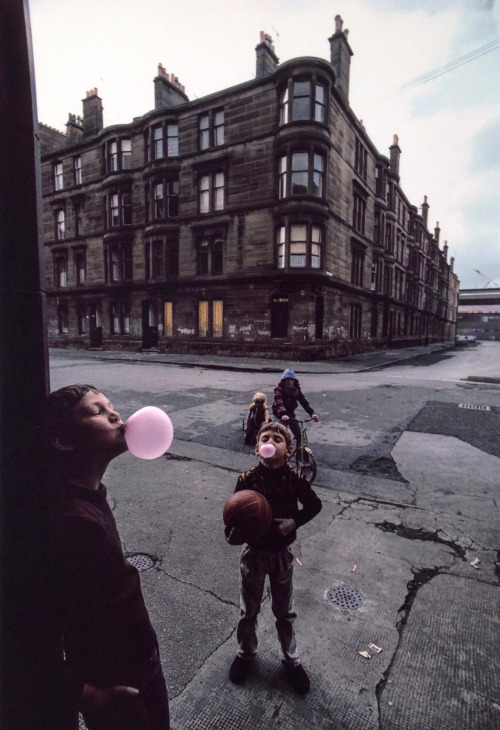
(283, 452)
(97, 426)
(289, 383)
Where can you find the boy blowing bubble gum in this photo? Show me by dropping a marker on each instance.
(271, 554)
(93, 648)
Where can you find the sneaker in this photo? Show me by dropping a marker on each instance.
(239, 670)
(298, 678)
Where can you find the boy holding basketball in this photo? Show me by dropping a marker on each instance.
(271, 554)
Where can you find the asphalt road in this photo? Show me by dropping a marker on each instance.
(408, 475)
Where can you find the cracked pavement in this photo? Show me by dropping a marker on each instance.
(408, 506)
(405, 546)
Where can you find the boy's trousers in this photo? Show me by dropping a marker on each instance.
(254, 566)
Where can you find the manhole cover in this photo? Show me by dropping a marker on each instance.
(473, 407)
(141, 561)
(345, 597)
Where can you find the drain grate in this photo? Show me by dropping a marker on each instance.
(472, 407)
(141, 561)
(345, 597)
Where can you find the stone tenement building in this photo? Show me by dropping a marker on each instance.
(260, 219)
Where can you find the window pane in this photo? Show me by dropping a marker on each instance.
(284, 107)
(204, 132)
(319, 105)
(300, 164)
(218, 257)
(217, 318)
(127, 208)
(168, 319)
(78, 170)
(204, 194)
(115, 265)
(281, 247)
(61, 223)
(297, 255)
(298, 246)
(301, 88)
(113, 156)
(219, 128)
(219, 191)
(158, 200)
(300, 108)
(315, 256)
(319, 164)
(203, 319)
(282, 178)
(173, 140)
(299, 183)
(115, 211)
(301, 100)
(126, 147)
(298, 233)
(299, 161)
(126, 318)
(58, 176)
(204, 202)
(158, 142)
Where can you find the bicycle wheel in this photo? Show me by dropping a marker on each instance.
(306, 463)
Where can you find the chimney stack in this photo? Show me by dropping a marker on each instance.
(267, 60)
(340, 58)
(425, 211)
(395, 153)
(168, 90)
(92, 114)
(437, 231)
(74, 129)
(445, 250)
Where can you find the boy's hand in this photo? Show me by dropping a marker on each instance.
(284, 525)
(116, 708)
(315, 417)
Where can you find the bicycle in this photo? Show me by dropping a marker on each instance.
(304, 457)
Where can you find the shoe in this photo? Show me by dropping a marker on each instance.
(239, 670)
(298, 678)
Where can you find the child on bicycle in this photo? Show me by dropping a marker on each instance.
(287, 396)
(258, 414)
(271, 554)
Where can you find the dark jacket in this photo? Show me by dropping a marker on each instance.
(286, 401)
(87, 622)
(284, 489)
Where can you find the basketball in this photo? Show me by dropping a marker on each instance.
(249, 512)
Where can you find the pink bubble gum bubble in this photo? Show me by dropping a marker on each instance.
(149, 433)
(267, 450)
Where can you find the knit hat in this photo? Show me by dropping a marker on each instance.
(288, 374)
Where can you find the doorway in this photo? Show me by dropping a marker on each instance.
(149, 325)
(279, 317)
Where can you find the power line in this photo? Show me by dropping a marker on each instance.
(467, 58)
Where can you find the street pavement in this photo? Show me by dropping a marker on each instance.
(406, 565)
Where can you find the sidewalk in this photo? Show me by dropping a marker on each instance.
(354, 364)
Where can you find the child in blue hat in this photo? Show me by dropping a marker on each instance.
(287, 396)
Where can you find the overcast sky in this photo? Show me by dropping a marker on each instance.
(426, 70)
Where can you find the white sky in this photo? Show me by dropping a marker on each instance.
(448, 127)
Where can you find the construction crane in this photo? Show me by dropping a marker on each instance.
(487, 283)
